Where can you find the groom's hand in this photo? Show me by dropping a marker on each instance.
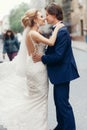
(36, 57)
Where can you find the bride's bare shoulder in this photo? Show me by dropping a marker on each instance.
(34, 34)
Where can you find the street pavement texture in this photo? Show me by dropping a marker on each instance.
(80, 45)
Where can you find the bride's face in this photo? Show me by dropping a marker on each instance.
(40, 19)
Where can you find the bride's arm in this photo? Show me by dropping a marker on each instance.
(48, 41)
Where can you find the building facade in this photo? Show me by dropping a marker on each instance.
(79, 16)
(4, 24)
(75, 15)
(57, 1)
(66, 5)
(1, 27)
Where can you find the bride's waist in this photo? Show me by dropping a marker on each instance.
(31, 62)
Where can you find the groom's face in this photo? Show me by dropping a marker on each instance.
(50, 18)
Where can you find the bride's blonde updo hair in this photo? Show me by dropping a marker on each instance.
(28, 18)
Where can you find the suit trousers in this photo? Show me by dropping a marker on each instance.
(64, 112)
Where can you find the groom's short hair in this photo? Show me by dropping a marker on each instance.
(55, 9)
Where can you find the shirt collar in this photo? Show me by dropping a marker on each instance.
(57, 24)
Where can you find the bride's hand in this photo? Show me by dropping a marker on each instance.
(58, 26)
(36, 57)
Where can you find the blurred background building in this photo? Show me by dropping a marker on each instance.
(1, 26)
(4, 24)
(78, 16)
(75, 15)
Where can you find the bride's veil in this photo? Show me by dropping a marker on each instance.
(21, 58)
(18, 64)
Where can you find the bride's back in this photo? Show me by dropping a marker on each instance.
(33, 46)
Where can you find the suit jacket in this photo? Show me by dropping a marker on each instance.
(59, 59)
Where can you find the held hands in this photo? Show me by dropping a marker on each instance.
(36, 57)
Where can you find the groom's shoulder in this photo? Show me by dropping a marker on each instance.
(63, 30)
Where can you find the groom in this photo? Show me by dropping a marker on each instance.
(61, 69)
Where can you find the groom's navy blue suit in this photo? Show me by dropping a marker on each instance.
(62, 69)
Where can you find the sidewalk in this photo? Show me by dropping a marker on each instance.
(81, 45)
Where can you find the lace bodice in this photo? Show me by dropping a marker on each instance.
(39, 47)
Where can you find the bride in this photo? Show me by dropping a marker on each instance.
(23, 83)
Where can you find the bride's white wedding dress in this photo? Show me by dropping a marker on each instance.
(24, 100)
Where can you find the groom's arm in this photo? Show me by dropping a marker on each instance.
(60, 49)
